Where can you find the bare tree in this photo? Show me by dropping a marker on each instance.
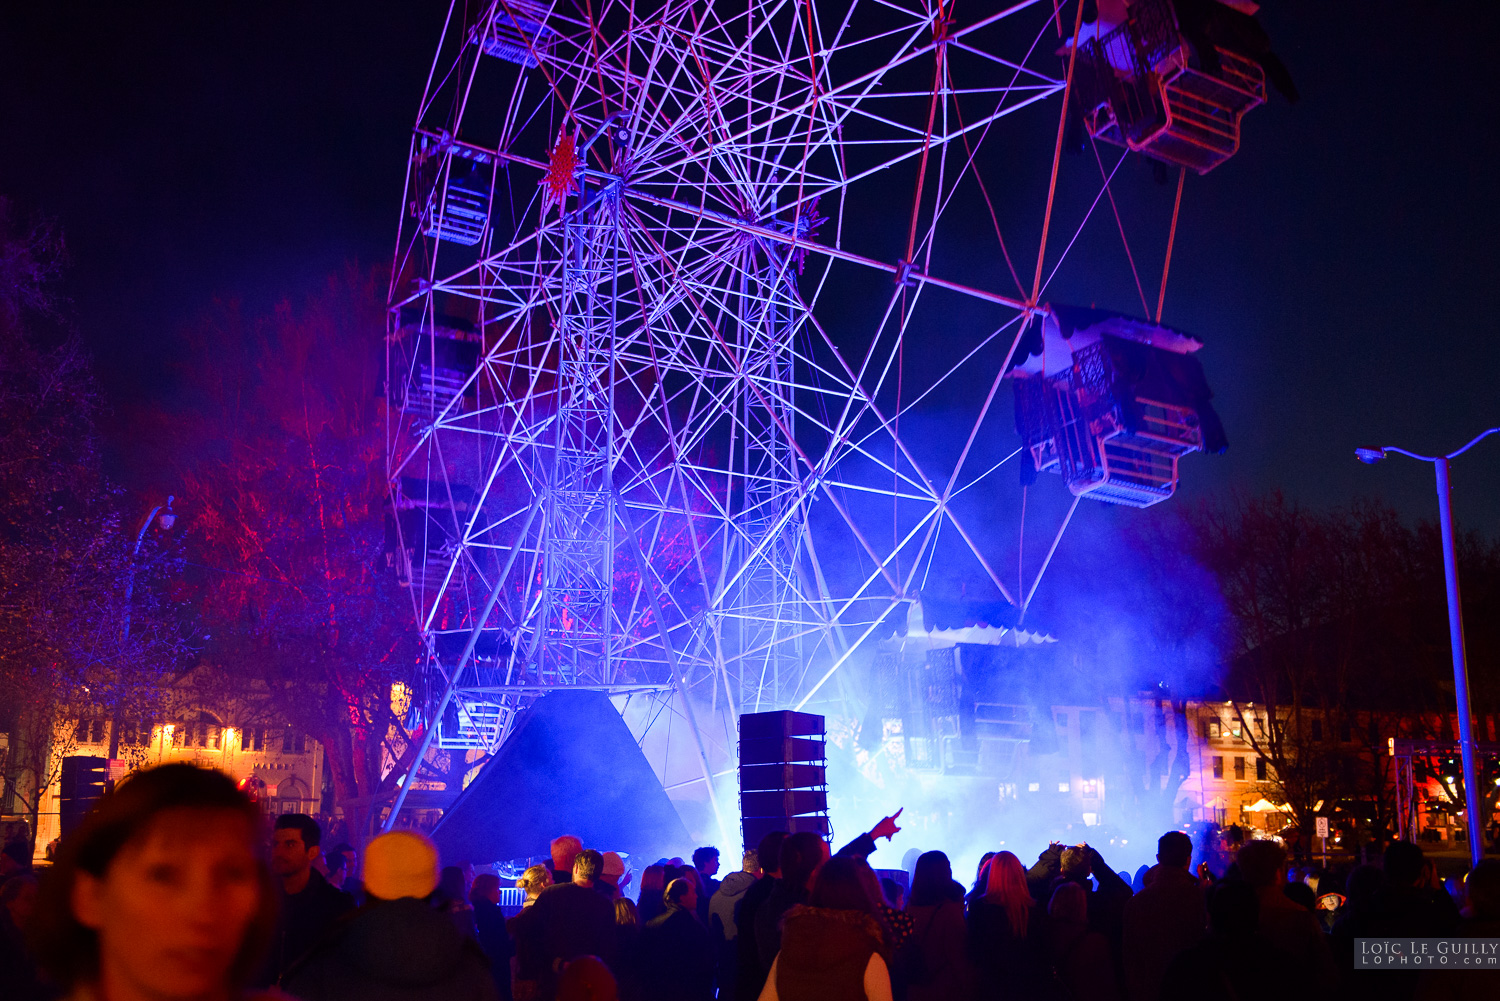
(65, 562)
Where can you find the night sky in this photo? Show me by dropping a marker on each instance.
(1342, 268)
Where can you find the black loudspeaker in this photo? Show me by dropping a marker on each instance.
(783, 775)
(81, 785)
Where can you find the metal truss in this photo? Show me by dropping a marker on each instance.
(673, 463)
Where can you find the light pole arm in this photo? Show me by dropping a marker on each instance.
(1481, 436)
(130, 584)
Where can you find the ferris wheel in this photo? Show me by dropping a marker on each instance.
(676, 285)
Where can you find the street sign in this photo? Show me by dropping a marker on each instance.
(1322, 823)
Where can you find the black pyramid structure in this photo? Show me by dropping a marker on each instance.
(570, 766)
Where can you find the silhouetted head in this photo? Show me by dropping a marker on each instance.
(1069, 904)
(451, 883)
(1175, 849)
(1007, 889)
(18, 895)
(932, 879)
(535, 879)
(587, 865)
(587, 978)
(1482, 887)
(295, 842)
(1233, 909)
(681, 893)
(565, 849)
(801, 853)
(486, 887)
(625, 913)
(1075, 863)
(1261, 863)
(1362, 883)
(842, 884)
(1404, 862)
(769, 852)
(706, 860)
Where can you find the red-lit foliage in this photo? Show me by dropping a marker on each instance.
(280, 452)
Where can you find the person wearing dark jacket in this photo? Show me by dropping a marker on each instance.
(489, 925)
(1406, 906)
(936, 966)
(309, 905)
(18, 970)
(574, 919)
(749, 975)
(706, 864)
(678, 958)
(1234, 961)
(1164, 918)
(398, 947)
(722, 929)
(800, 855)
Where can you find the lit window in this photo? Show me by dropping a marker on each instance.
(1090, 789)
(1034, 787)
(1062, 787)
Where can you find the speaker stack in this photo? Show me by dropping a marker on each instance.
(80, 786)
(783, 775)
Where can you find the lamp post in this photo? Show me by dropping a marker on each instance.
(1371, 456)
(166, 522)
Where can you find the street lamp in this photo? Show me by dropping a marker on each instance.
(166, 520)
(1370, 456)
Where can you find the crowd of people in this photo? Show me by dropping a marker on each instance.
(169, 892)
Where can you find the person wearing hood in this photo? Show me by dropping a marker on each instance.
(398, 947)
(721, 906)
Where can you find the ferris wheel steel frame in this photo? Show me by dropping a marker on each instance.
(618, 496)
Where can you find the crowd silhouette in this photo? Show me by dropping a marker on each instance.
(170, 890)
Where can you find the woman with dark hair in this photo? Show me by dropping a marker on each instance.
(1007, 935)
(831, 946)
(653, 885)
(937, 965)
(452, 900)
(161, 892)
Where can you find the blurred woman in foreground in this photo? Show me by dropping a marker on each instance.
(161, 894)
